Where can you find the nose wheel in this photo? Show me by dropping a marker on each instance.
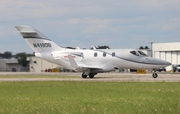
(155, 75)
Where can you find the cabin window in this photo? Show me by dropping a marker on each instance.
(142, 53)
(95, 54)
(134, 53)
(113, 54)
(104, 54)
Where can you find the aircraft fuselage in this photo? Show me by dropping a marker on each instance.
(108, 59)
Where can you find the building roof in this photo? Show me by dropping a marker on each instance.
(174, 46)
(10, 61)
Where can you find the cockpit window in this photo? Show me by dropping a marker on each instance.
(142, 53)
(134, 53)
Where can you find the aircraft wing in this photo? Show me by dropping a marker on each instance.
(81, 66)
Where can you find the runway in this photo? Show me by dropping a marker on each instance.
(101, 77)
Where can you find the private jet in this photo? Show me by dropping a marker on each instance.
(89, 62)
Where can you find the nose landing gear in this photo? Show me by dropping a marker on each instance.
(154, 75)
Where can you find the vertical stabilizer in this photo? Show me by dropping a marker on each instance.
(37, 41)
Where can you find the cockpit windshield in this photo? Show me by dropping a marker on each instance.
(134, 53)
(142, 53)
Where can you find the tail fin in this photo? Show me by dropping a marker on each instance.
(37, 41)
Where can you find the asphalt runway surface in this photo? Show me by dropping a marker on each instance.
(101, 77)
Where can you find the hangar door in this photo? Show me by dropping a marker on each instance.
(170, 56)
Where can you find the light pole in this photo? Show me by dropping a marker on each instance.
(151, 49)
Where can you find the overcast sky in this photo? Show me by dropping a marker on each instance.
(83, 23)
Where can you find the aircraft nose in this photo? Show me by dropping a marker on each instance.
(165, 63)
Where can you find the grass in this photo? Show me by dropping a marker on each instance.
(89, 97)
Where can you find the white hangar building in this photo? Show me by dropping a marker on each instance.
(167, 51)
(39, 65)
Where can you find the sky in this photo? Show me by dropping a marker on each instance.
(115, 23)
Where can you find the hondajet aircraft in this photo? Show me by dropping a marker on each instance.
(89, 62)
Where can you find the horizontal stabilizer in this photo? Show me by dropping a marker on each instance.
(25, 29)
(29, 32)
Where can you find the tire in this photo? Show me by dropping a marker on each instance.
(155, 75)
(84, 76)
(91, 75)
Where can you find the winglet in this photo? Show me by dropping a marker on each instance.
(72, 62)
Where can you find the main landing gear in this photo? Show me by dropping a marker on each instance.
(91, 75)
(84, 75)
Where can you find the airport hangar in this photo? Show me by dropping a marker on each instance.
(39, 65)
(167, 51)
(11, 65)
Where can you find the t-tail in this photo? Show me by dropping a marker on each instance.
(37, 41)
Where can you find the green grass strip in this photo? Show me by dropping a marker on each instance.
(89, 97)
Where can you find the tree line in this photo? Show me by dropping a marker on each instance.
(97, 47)
(141, 47)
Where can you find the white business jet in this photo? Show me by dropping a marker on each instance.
(89, 62)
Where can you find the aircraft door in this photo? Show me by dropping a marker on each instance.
(82, 56)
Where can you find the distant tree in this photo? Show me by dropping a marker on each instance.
(7, 55)
(21, 57)
(30, 55)
(1, 55)
(33, 54)
(70, 48)
(92, 48)
(146, 47)
(103, 47)
(141, 47)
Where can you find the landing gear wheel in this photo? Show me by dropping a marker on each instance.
(155, 75)
(91, 75)
(84, 75)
